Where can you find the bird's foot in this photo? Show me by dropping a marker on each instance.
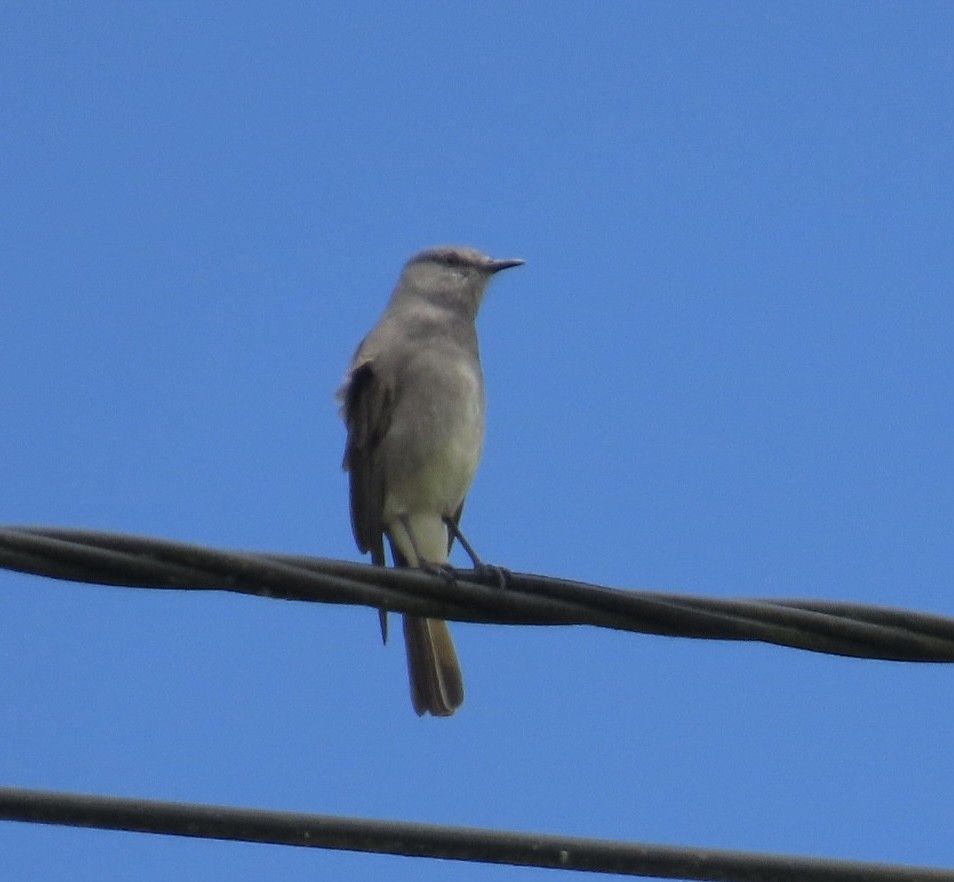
(442, 570)
(488, 574)
(491, 574)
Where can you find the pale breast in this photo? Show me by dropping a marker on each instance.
(437, 437)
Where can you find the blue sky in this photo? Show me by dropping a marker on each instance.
(726, 369)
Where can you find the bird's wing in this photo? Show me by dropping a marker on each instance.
(366, 407)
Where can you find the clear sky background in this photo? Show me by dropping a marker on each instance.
(726, 369)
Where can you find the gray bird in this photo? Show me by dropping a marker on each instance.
(413, 402)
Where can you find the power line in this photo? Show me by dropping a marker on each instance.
(836, 628)
(435, 841)
(525, 599)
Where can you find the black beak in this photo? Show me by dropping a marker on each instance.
(495, 266)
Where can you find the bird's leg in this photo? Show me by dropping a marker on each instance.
(497, 574)
(456, 533)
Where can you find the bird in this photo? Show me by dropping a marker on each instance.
(414, 408)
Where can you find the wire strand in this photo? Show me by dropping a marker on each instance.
(836, 628)
(436, 841)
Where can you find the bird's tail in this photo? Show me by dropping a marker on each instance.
(437, 686)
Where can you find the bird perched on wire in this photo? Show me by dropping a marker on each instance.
(413, 403)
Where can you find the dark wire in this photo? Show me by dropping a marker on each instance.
(433, 841)
(831, 627)
(820, 626)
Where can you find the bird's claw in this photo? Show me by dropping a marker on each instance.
(492, 574)
(442, 570)
(486, 574)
